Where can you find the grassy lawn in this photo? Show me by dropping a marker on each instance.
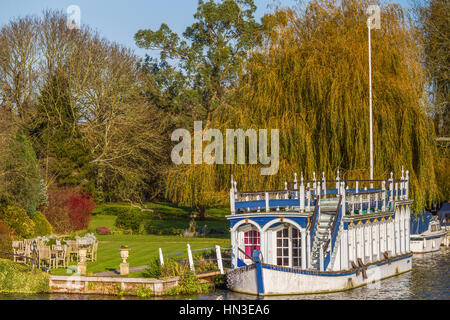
(143, 248)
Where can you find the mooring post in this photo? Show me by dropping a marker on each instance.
(191, 261)
(259, 273)
(219, 259)
(161, 257)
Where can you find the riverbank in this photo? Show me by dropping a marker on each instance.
(428, 280)
(16, 278)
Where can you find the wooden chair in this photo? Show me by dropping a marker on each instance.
(60, 255)
(94, 254)
(91, 254)
(18, 249)
(45, 256)
(72, 250)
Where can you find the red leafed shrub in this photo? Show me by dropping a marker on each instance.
(103, 230)
(68, 210)
(5, 238)
(80, 209)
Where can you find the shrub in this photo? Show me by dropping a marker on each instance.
(189, 284)
(56, 212)
(129, 220)
(80, 209)
(18, 221)
(171, 268)
(103, 230)
(152, 229)
(41, 225)
(110, 210)
(68, 210)
(15, 278)
(5, 238)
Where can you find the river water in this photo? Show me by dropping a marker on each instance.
(428, 280)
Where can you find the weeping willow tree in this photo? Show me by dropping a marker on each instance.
(309, 79)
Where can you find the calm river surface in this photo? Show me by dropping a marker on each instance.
(429, 279)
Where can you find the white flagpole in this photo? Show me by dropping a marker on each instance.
(370, 109)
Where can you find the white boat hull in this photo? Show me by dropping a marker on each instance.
(427, 243)
(285, 281)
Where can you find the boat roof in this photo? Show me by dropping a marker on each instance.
(419, 224)
(444, 212)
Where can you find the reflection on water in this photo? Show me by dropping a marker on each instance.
(429, 279)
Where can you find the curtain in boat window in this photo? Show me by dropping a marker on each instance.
(251, 242)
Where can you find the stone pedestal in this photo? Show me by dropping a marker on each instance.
(82, 262)
(82, 268)
(124, 269)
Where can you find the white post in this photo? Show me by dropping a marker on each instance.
(383, 187)
(318, 189)
(219, 259)
(321, 257)
(370, 109)
(161, 257)
(267, 201)
(314, 180)
(324, 185)
(303, 246)
(277, 197)
(344, 250)
(391, 188)
(308, 197)
(295, 181)
(302, 195)
(337, 179)
(370, 241)
(402, 184)
(191, 261)
(396, 191)
(407, 185)
(308, 249)
(258, 198)
(232, 198)
(363, 243)
(357, 187)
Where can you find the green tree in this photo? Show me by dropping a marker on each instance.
(310, 80)
(210, 58)
(432, 18)
(21, 175)
(57, 139)
(213, 50)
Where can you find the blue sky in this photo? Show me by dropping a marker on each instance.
(119, 20)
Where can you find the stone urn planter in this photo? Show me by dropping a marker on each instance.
(124, 254)
(124, 266)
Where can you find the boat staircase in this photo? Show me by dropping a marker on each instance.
(326, 233)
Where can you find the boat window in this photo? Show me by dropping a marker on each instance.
(283, 247)
(296, 253)
(251, 242)
(289, 245)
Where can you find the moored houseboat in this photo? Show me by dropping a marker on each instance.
(426, 233)
(444, 220)
(309, 238)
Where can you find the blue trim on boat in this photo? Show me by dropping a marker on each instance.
(427, 238)
(318, 273)
(262, 221)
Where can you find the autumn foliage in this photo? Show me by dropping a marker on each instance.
(69, 210)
